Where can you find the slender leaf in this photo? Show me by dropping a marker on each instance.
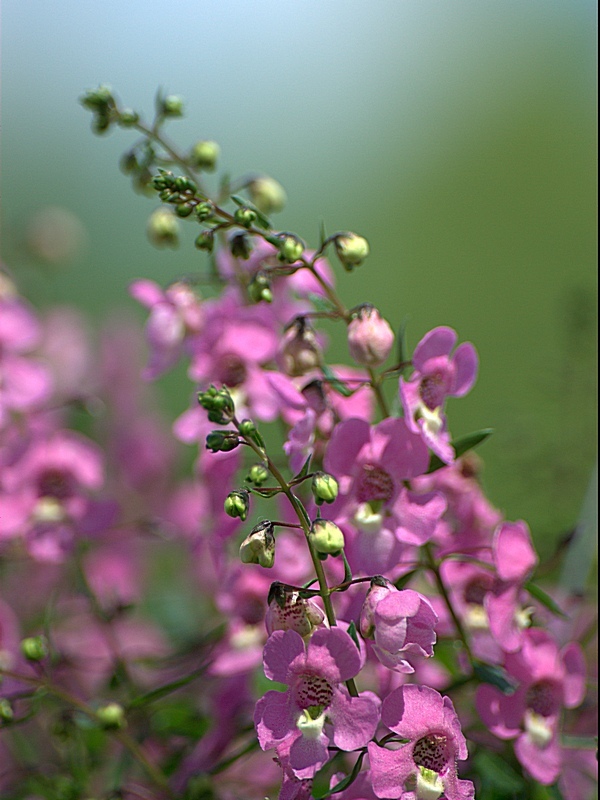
(321, 304)
(496, 676)
(405, 579)
(303, 472)
(335, 383)
(265, 491)
(461, 446)
(353, 634)
(545, 599)
(349, 779)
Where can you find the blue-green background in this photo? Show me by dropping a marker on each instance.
(458, 136)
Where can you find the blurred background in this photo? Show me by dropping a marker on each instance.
(458, 137)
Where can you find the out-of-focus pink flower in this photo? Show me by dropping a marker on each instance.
(437, 375)
(549, 680)
(428, 761)
(370, 337)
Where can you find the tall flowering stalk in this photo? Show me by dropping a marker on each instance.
(367, 626)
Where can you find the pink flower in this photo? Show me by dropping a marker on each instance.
(371, 465)
(437, 375)
(426, 766)
(25, 383)
(175, 313)
(550, 680)
(316, 710)
(400, 622)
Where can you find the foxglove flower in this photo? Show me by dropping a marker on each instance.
(425, 767)
(316, 709)
(437, 375)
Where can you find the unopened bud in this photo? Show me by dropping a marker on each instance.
(299, 351)
(258, 474)
(6, 711)
(218, 403)
(204, 155)
(290, 249)
(351, 249)
(237, 504)
(222, 441)
(370, 337)
(163, 228)
(259, 546)
(380, 587)
(34, 648)
(248, 428)
(128, 117)
(240, 246)
(259, 288)
(326, 537)
(111, 716)
(205, 241)
(184, 209)
(267, 195)
(172, 106)
(289, 611)
(245, 217)
(205, 211)
(324, 488)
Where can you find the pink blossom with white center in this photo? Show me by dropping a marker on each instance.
(175, 313)
(47, 494)
(25, 382)
(399, 622)
(370, 464)
(437, 375)
(549, 680)
(317, 709)
(425, 767)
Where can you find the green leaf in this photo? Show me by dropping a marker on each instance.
(303, 472)
(178, 718)
(405, 579)
(461, 446)
(322, 233)
(335, 383)
(545, 599)
(321, 304)
(499, 779)
(496, 676)
(353, 634)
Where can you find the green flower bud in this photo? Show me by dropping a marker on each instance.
(290, 249)
(248, 428)
(218, 403)
(172, 106)
(259, 546)
(34, 648)
(326, 537)
(128, 117)
(237, 504)
(204, 155)
(259, 288)
(324, 488)
(98, 99)
(163, 228)
(245, 217)
(111, 716)
(258, 474)
(205, 211)
(351, 249)
(164, 180)
(6, 712)
(267, 195)
(222, 441)
(184, 209)
(205, 241)
(240, 246)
